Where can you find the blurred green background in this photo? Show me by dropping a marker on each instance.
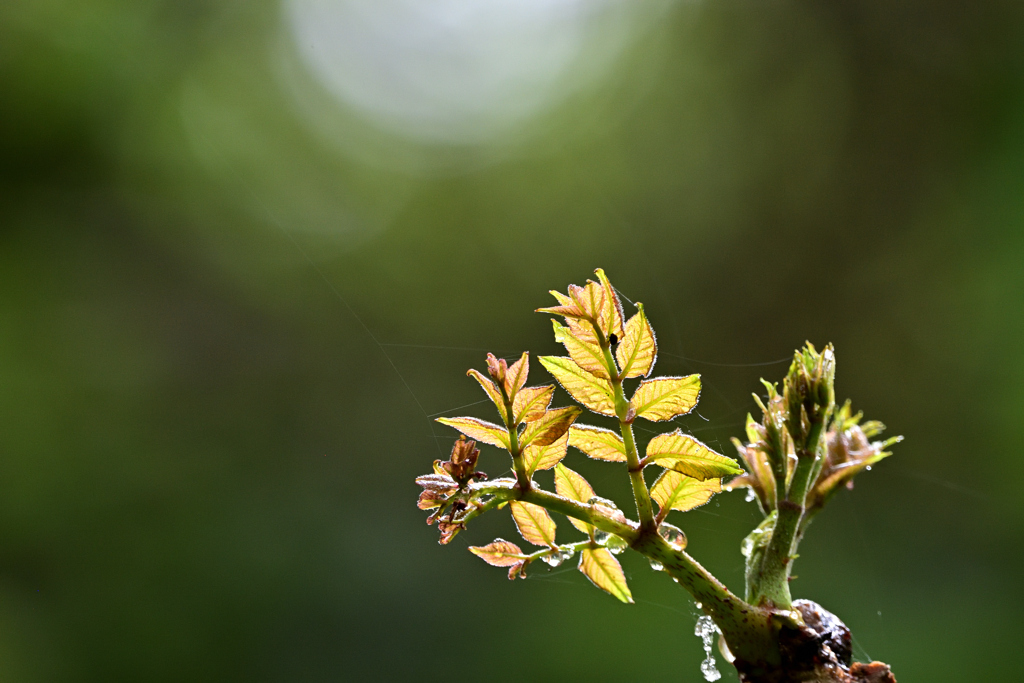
(248, 250)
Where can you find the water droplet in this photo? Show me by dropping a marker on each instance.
(751, 495)
(656, 566)
(674, 535)
(559, 556)
(706, 631)
(868, 468)
(699, 605)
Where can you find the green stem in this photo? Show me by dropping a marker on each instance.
(772, 584)
(644, 509)
(522, 476)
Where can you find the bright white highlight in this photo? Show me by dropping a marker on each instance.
(456, 71)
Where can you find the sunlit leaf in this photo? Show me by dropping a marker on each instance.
(545, 457)
(531, 403)
(638, 348)
(429, 500)
(605, 572)
(549, 427)
(759, 475)
(676, 491)
(534, 523)
(517, 373)
(824, 489)
(492, 391)
(566, 306)
(499, 553)
(572, 485)
(664, 398)
(478, 429)
(611, 314)
(683, 453)
(587, 355)
(593, 392)
(598, 443)
(440, 482)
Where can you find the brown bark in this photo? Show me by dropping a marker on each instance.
(820, 652)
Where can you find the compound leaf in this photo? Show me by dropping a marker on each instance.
(683, 453)
(598, 443)
(605, 572)
(664, 398)
(534, 523)
(593, 392)
(479, 430)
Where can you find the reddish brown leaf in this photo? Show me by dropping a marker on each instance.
(550, 427)
(499, 553)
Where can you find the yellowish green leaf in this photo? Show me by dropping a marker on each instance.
(549, 427)
(545, 457)
(593, 392)
(664, 398)
(638, 348)
(676, 491)
(531, 403)
(515, 378)
(683, 453)
(498, 553)
(534, 523)
(492, 391)
(598, 443)
(587, 355)
(611, 315)
(573, 486)
(605, 572)
(479, 430)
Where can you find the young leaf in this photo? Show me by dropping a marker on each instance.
(587, 355)
(598, 443)
(605, 572)
(479, 430)
(683, 453)
(531, 403)
(566, 307)
(498, 553)
(664, 398)
(611, 315)
(492, 391)
(593, 392)
(545, 457)
(676, 491)
(638, 349)
(515, 378)
(572, 485)
(550, 427)
(534, 523)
